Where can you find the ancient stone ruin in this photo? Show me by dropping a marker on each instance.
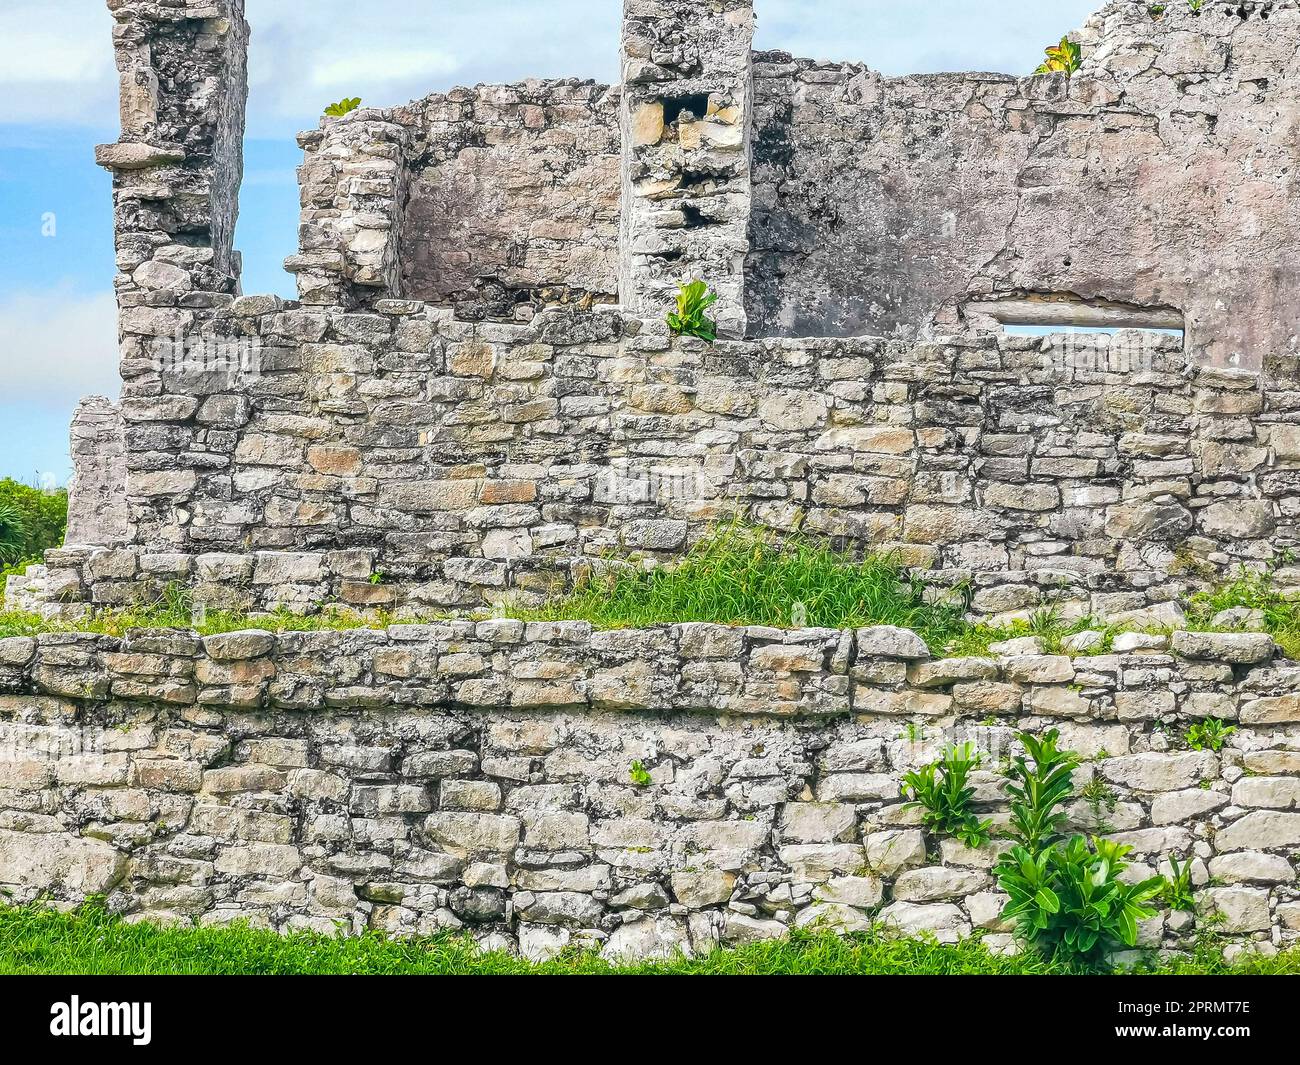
(476, 396)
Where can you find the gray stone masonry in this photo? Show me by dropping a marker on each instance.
(471, 462)
(1160, 176)
(476, 400)
(687, 101)
(97, 494)
(477, 776)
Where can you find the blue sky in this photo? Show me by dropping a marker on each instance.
(57, 333)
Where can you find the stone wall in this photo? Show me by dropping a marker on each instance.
(463, 460)
(493, 200)
(1160, 175)
(514, 198)
(687, 104)
(479, 777)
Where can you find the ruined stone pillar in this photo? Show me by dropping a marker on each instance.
(97, 492)
(176, 169)
(687, 103)
(354, 191)
(179, 161)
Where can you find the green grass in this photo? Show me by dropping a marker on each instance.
(1254, 591)
(174, 611)
(37, 940)
(738, 576)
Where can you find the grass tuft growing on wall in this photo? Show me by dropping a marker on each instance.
(174, 610)
(1252, 591)
(740, 576)
(37, 940)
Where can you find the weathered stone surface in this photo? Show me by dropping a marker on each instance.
(810, 822)
(1260, 830)
(890, 851)
(1235, 647)
(943, 921)
(1252, 867)
(930, 884)
(1240, 909)
(1159, 772)
(472, 833)
(886, 641)
(31, 865)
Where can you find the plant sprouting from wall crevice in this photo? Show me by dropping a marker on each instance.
(1064, 58)
(345, 106)
(689, 319)
(942, 791)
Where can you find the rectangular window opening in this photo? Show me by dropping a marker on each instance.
(1042, 315)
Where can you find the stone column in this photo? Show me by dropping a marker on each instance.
(687, 103)
(97, 493)
(354, 191)
(179, 161)
(176, 172)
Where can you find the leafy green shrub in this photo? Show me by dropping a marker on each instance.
(13, 533)
(42, 517)
(343, 107)
(693, 299)
(1069, 899)
(1064, 58)
(941, 790)
(639, 775)
(1065, 896)
(1209, 734)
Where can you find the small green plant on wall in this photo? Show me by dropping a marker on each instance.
(639, 775)
(1066, 896)
(343, 107)
(941, 790)
(689, 319)
(1064, 58)
(1177, 890)
(1208, 735)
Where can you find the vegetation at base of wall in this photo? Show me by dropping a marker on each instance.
(36, 940)
(741, 576)
(1068, 897)
(974, 640)
(31, 520)
(735, 575)
(175, 610)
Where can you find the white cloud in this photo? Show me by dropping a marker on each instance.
(397, 64)
(56, 62)
(57, 346)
